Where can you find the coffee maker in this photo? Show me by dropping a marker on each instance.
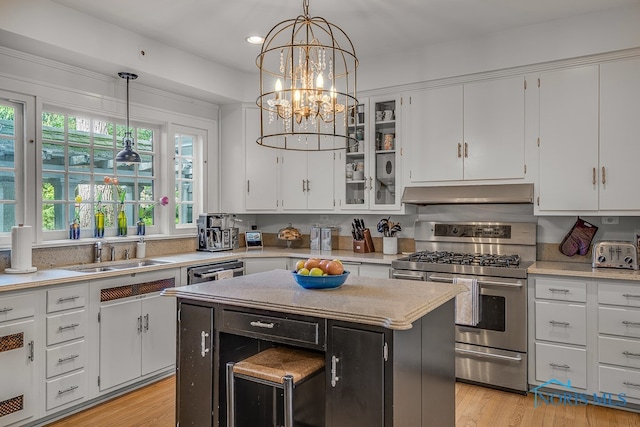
(216, 233)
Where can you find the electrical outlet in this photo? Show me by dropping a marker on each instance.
(324, 219)
(610, 220)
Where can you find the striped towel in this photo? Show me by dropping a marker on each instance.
(467, 303)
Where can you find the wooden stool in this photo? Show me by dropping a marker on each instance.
(278, 367)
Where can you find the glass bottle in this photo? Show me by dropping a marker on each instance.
(122, 221)
(74, 230)
(141, 227)
(99, 224)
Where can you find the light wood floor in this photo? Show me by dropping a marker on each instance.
(153, 406)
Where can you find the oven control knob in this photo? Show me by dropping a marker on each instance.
(601, 258)
(628, 260)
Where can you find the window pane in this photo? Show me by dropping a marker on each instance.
(79, 158)
(79, 130)
(186, 195)
(7, 120)
(7, 149)
(53, 217)
(125, 169)
(7, 216)
(103, 133)
(103, 162)
(7, 185)
(145, 168)
(145, 139)
(53, 157)
(53, 127)
(186, 144)
(186, 213)
(53, 186)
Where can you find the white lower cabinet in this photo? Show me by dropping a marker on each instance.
(17, 370)
(561, 322)
(259, 265)
(137, 337)
(379, 271)
(66, 389)
(618, 381)
(561, 363)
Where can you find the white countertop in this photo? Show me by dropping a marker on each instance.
(574, 269)
(390, 303)
(57, 276)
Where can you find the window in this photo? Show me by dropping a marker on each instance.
(11, 123)
(78, 152)
(188, 148)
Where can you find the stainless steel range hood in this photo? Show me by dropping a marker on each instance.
(468, 194)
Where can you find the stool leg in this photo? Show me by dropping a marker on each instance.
(231, 397)
(288, 401)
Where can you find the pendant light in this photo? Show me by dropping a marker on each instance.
(307, 85)
(128, 155)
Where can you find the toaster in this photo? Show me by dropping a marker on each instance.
(615, 254)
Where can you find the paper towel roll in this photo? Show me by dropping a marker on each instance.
(21, 250)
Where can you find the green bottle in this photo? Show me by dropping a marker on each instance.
(122, 221)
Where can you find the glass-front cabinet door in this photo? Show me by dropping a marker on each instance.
(356, 167)
(384, 151)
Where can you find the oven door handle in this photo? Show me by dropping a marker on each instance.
(495, 356)
(480, 282)
(408, 276)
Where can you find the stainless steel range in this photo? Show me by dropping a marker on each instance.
(494, 257)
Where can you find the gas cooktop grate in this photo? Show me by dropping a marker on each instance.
(445, 257)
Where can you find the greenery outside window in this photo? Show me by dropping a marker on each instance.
(11, 123)
(78, 152)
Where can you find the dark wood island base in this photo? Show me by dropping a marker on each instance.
(388, 347)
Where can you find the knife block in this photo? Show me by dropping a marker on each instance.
(365, 245)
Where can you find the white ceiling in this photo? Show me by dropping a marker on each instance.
(216, 29)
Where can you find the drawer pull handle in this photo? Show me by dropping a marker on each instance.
(139, 324)
(628, 353)
(71, 298)
(259, 324)
(203, 346)
(66, 359)
(629, 323)
(631, 384)
(556, 323)
(334, 371)
(557, 290)
(555, 365)
(71, 326)
(631, 296)
(31, 350)
(146, 322)
(5, 309)
(73, 387)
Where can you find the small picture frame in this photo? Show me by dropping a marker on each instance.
(253, 239)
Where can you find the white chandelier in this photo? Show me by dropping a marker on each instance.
(307, 85)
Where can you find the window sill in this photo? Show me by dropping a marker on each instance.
(107, 240)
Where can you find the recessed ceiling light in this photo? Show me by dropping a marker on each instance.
(255, 39)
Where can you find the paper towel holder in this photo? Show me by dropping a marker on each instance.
(15, 248)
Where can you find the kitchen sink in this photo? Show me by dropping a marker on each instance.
(117, 266)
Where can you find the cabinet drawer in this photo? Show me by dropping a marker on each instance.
(17, 307)
(66, 389)
(563, 323)
(561, 363)
(65, 358)
(615, 294)
(273, 328)
(618, 380)
(624, 322)
(66, 298)
(561, 290)
(65, 327)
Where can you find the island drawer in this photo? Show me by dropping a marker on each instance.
(285, 329)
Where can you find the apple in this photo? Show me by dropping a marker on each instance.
(312, 263)
(335, 268)
(323, 264)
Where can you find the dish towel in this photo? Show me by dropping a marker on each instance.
(225, 274)
(467, 303)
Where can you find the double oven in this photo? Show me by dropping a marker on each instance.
(492, 350)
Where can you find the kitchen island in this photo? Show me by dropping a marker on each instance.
(388, 347)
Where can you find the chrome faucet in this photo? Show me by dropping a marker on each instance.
(98, 254)
(113, 253)
(126, 254)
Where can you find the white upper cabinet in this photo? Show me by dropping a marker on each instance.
(307, 180)
(494, 129)
(467, 132)
(619, 135)
(568, 152)
(261, 163)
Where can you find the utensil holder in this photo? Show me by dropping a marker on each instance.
(389, 245)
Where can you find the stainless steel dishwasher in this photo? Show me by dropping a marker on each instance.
(214, 271)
